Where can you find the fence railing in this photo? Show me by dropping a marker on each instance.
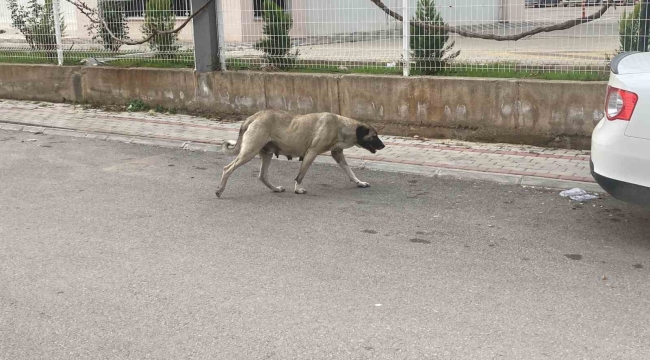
(334, 34)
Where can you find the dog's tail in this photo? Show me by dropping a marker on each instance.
(232, 148)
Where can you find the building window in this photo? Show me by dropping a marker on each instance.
(135, 8)
(257, 6)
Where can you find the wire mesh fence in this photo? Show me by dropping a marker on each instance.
(357, 33)
(334, 34)
(31, 27)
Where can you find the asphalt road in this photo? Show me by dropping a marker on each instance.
(116, 251)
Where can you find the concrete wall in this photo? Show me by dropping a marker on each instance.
(557, 113)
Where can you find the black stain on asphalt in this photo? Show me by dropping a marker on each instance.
(200, 168)
(525, 259)
(325, 185)
(412, 182)
(616, 220)
(574, 256)
(170, 165)
(420, 241)
(46, 146)
(638, 266)
(422, 233)
(368, 231)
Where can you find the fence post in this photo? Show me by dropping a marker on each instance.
(206, 40)
(57, 31)
(644, 27)
(222, 38)
(406, 38)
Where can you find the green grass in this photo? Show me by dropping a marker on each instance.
(518, 74)
(185, 60)
(488, 71)
(173, 64)
(42, 57)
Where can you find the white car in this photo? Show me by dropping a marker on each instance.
(620, 143)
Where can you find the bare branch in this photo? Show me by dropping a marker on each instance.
(452, 29)
(96, 19)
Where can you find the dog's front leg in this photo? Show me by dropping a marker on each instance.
(309, 157)
(340, 159)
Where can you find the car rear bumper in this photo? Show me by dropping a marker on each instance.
(620, 157)
(619, 163)
(632, 193)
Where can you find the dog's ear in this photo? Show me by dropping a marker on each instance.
(361, 132)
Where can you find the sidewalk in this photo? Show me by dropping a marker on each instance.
(509, 164)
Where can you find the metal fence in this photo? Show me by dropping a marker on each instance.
(332, 34)
(34, 34)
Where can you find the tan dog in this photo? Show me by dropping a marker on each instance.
(276, 132)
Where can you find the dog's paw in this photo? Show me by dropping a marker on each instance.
(279, 189)
(362, 184)
(218, 192)
(300, 191)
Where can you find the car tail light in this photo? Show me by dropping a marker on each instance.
(620, 104)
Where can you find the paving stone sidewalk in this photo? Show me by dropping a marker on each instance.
(518, 164)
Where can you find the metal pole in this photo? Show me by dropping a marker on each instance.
(406, 38)
(644, 26)
(206, 44)
(57, 30)
(221, 38)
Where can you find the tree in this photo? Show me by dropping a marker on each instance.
(431, 47)
(277, 43)
(112, 12)
(158, 16)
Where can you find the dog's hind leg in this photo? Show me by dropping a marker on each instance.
(264, 171)
(340, 159)
(309, 157)
(246, 154)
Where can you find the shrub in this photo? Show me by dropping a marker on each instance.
(36, 23)
(431, 49)
(277, 43)
(158, 15)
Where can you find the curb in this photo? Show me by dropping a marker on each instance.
(505, 179)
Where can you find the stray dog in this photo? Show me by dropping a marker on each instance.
(276, 132)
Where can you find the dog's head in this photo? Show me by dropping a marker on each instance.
(367, 138)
